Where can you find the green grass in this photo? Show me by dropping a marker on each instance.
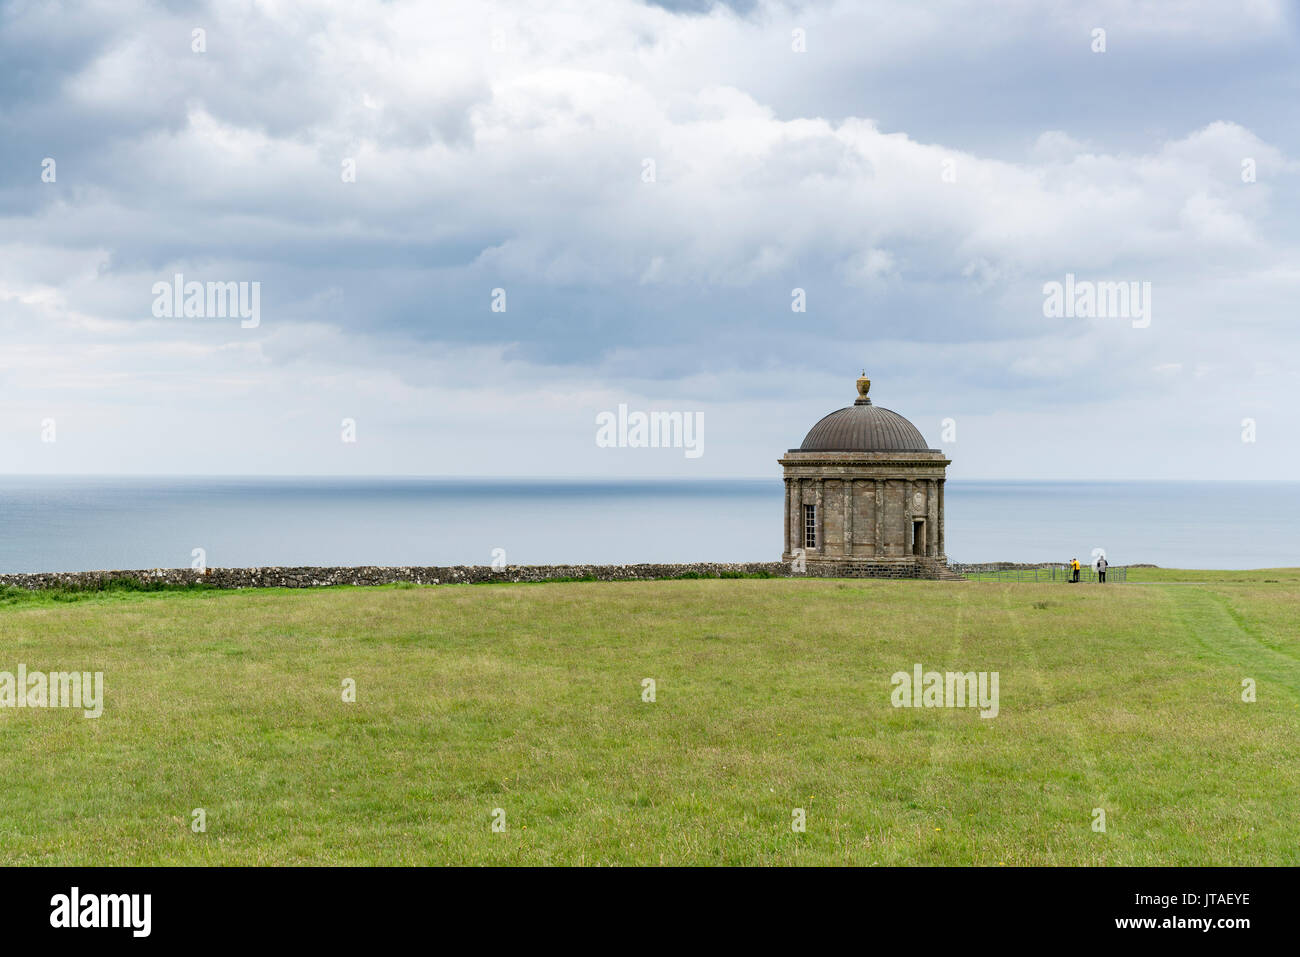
(771, 695)
(1289, 576)
(111, 588)
(1149, 575)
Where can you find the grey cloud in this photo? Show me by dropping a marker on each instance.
(523, 171)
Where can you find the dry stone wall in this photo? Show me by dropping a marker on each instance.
(320, 577)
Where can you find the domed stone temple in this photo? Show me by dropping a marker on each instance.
(864, 496)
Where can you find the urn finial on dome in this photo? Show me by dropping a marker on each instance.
(864, 386)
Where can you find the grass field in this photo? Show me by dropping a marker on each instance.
(771, 695)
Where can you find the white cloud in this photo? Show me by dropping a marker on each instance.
(521, 166)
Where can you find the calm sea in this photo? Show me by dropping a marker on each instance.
(73, 524)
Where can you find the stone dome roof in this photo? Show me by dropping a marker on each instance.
(863, 427)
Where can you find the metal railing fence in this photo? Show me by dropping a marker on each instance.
(1036, 573)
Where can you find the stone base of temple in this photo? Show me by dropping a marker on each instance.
(912, 567)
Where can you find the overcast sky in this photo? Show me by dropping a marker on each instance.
(648, 184)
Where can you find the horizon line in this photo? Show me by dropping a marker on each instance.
(577, 477)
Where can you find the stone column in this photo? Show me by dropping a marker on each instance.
(795, 517)
(909, 527)
(880, 508)
(847, 487)
(939, 530)
(821, 516)
(932, 519)
(787, 518)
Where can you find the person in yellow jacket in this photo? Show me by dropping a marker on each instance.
(1074, 569)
